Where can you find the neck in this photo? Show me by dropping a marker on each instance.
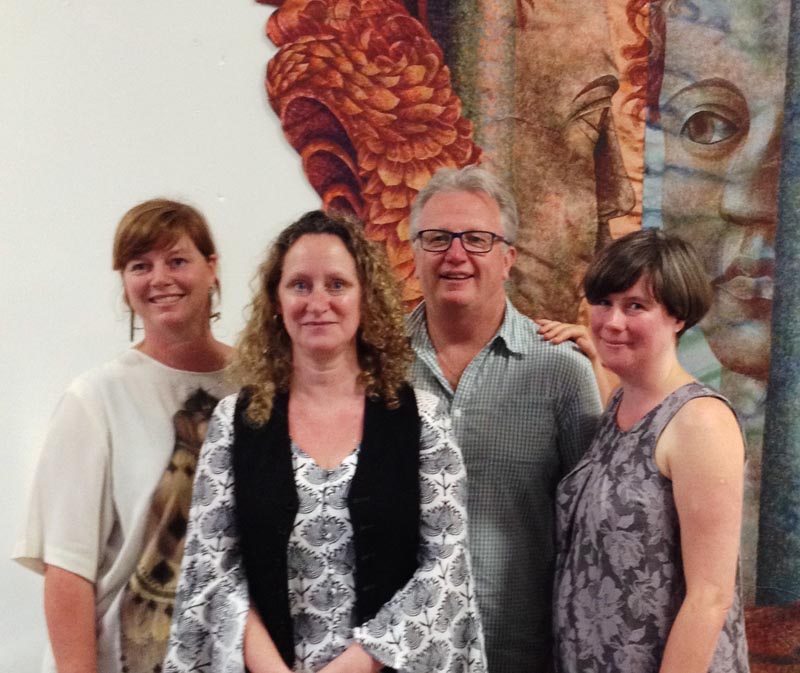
(199, 352)
(656, 383)
(458, 334)
(334, 377)
(464, 326)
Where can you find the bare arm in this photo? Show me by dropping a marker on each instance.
(559, 332)
(353, 660)
(69, 608)
(260, 653)
(702, 451)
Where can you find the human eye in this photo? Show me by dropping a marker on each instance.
(297, 285)
(136, 266)
(707, 128)
(478, 239)
(436, 239)
(337, 286)
(177, 262)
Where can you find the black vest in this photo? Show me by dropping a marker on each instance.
(384, 505)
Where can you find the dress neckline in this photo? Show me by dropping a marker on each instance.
(617, 400)
(296, 448)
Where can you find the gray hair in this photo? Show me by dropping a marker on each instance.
(472, 179)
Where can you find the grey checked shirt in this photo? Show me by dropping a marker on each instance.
(523, 413)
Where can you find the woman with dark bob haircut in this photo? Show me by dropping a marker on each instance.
(328, 529)
(114, 482)
(648, 522)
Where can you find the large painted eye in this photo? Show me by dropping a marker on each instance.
(707, 128)
(591, 108)
(706, 119)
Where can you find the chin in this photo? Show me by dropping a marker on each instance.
(456, 298)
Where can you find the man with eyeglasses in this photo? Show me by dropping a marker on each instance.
(523, 410)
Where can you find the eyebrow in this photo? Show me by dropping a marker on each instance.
(608, 81)
(718, 82)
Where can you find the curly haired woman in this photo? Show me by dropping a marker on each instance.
(327, 531)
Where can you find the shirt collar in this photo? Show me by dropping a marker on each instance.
(511, 333)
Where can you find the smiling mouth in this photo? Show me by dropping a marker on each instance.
(165, 299)
(456, 276)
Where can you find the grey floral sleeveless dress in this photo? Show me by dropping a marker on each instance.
(619, 576)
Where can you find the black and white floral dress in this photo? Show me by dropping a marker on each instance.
(619, 576)
(429, 625)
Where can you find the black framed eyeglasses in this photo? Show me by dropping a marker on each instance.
(440, 240)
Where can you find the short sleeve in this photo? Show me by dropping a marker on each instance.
(579, 412)
(432, 623)
(70, 513)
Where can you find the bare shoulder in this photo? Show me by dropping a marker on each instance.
(703, 434)
(703, 414)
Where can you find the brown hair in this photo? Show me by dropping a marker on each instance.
(671, 266)
(263, 362)
(157, 224)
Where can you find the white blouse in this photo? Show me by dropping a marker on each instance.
(429, 625)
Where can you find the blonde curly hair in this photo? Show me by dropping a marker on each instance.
(263, 364)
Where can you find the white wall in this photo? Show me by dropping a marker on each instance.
(104, 103)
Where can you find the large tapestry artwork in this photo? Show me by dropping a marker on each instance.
(605, 116)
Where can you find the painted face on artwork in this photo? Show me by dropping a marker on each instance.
(568, 173)
(457, 278)
(319, 297)
(169, 287)
(633, 331)
(721, 114)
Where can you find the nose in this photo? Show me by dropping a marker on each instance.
(317, 300)
(614, 318)
(750, 192)
(613, 189)
(161, 274)
(456, 252)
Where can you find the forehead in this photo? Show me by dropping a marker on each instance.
(743, 41)
(166, 243)
(461, 211)
(316, 252)
(564, 47)
(641, 289)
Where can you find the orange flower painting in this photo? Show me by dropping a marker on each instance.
(364, 96)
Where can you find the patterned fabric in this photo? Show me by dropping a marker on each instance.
(619, 577)
(523, 414)
(321, 561)
(430, 625)
(146, 605)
